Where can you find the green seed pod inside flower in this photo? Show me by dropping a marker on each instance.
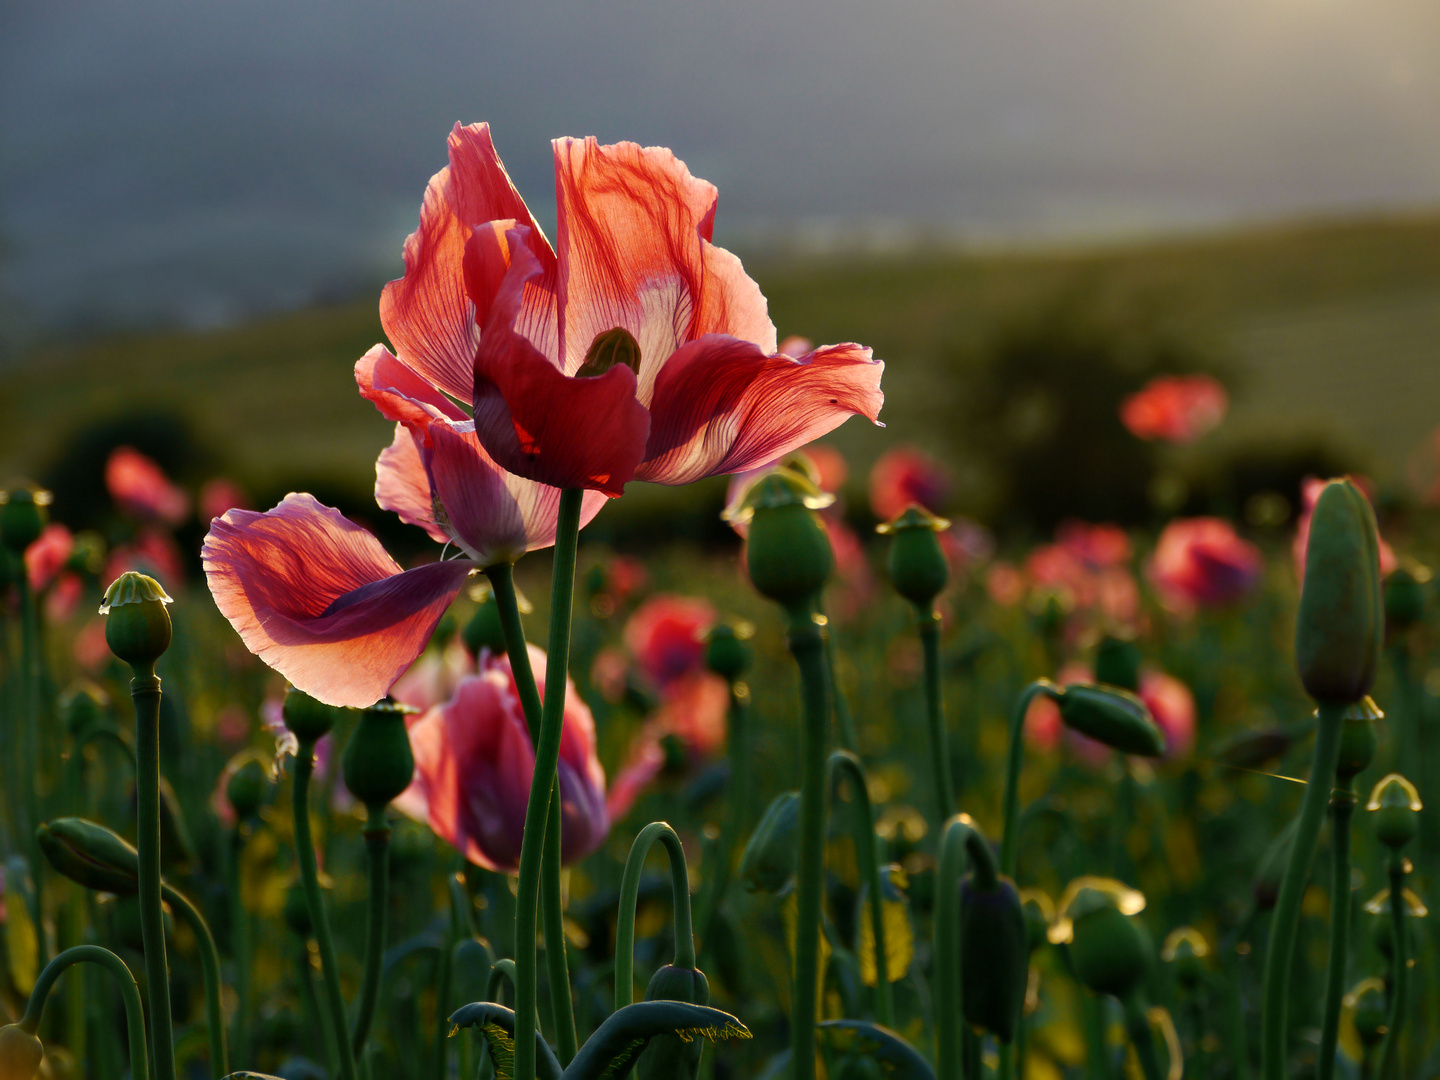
(1341, 622)
(617, 346)
(1358, 739)
(787, 552)
(770, 856)
(309, 720)
(668, 1057)
(90, 855)
(1039, 912)
(82, 706)
(22, 517)
(1404, 599)
(20, 1053)
(137, 626)
(295, 911)
(917, 564)
(378, 763)
(1110, 952)
(726, 653)
(1117, 663)
(484, 630)
(995, 958)
(1112, 716)
(248, 785)
(1368, 1008)
(1185, 951)
(1395, 806)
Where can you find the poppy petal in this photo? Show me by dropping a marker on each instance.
(403, 486)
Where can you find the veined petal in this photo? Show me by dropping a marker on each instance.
(317, 598)
(541, 424)
(634, 251)
(402, 485)
(483, 516)
(427, 314)
(401, 393)
(722, 406)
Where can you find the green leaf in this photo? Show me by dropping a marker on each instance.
(610, 1053)
(497, 1026)
(896, 1057)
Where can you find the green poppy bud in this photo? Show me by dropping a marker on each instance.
(1039, 912)
(668, 1057)
(1340, 625)
(378, 763)
(1358, 740)
(1185, 950)
(787, 552)
(917, 564)
(1117, 663)
(82, 705)
(137, 627)
(247, 786)
(726, 653)
(1370, 1011)
(91, 855)
(1255, 749)
(20, 1053)
(1404, 599)
(309, 720)
(770, 856)
(295, 911)
(1112, 716)
(1110, 951)
(22, 517)
(995, 958)
(1396, 806)
(484, 630)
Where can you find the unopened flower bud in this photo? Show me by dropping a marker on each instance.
(22, 517)
(917, 564)
(1404, 599)
(90, 855)
(1117, 663)
(1358, 740)
(247, 785)
(1341, 621)
(1369, 1010)
(309, 720)
(81, 706)
(137, 627)
(1112, 716)
(668, 1057)
(726, 653)
(20, 1053)
(770, 856)
(995, 960)
(1110, 951)
(1395, 805)
(484, 630)
(378, 763)
(787, 552)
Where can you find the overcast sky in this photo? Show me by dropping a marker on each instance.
(202, 160)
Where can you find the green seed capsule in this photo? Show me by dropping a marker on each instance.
(137, 627)
(248, 785)
(1110, 951)
(770, 857)
(1368, 1007)
(90, 855)
(82, 705)
(668, 1057)
(309, 720)
(917, 564)
(995, 957)
(20, 1053)
(1358, 740)
(1185, 951)
(22, 517)
(1341, 621)
(484, 630)
(726, 653)
(1112, 716)
(1395, 806)
(787, 553)
(378, 763)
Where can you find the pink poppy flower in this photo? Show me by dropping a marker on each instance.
(64, 598)
(141, 489)
(1005, 583)
(474, 761)
(905, 475)
(1095, 545)
(1173, 706)
(688, 382)
(433, 678)
(1310, 489)
(666, 635)
(1202, 563)
(1175, 408)
(219, 495)
(151, 552)
(47, 556)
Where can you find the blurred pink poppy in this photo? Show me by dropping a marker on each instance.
(141, 489)
(474, 761)
(1175, 408)
(64, 596)
(854, 580)
(692, 718)
(1095, 545)
(1202, 563)
(92, 651)
(151, 552)
(433, 678)
(634, 349)
(219, 495)
(609, 673)
(1310, 489)
(1043, 726)
(1005, 583)
(666, 635)
(1173, 706)
(46, 557)
(904, 475)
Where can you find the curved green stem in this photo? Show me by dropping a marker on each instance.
(1137, 1025)
(949, 1053)
(1342, 805)
(629, 894)
(547, 753)
(145, 690)
(129, 992)
(928, 622)
(1285, 920)
(844, 719)
(1010, 838)
(1389, 1065)
(210, 970)
(319, 920)
(503, 971)
(806, 639)
(843, 761)
(377, 850)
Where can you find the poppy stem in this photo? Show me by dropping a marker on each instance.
(30, 749)
(928, 623)
(210, 971)
(240, 949)
(1137, 1025)
(717, 880)
(319, 920)
(1010, 839)
(949, 1007)
(377, 850)
(145, 691)
(629, 896)
(1285, 921)
(542, 782)
(1342, 804)
(129, 994)
(1389, 1065)
(843, 761)
(844, 719)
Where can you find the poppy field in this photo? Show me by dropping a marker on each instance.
(814, 774)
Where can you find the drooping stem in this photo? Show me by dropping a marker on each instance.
(547, 753)
(319, 920)
(1400, 976)
(629, 895)
(929, 626)
(377, 851)
(949, 1054)
(843, 761)
(1010, 839)
(1285, 920)
(129, 993)
(1342, 805)
(145, 691)
(210, 971)
(1137, 1025)
(844, 719)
